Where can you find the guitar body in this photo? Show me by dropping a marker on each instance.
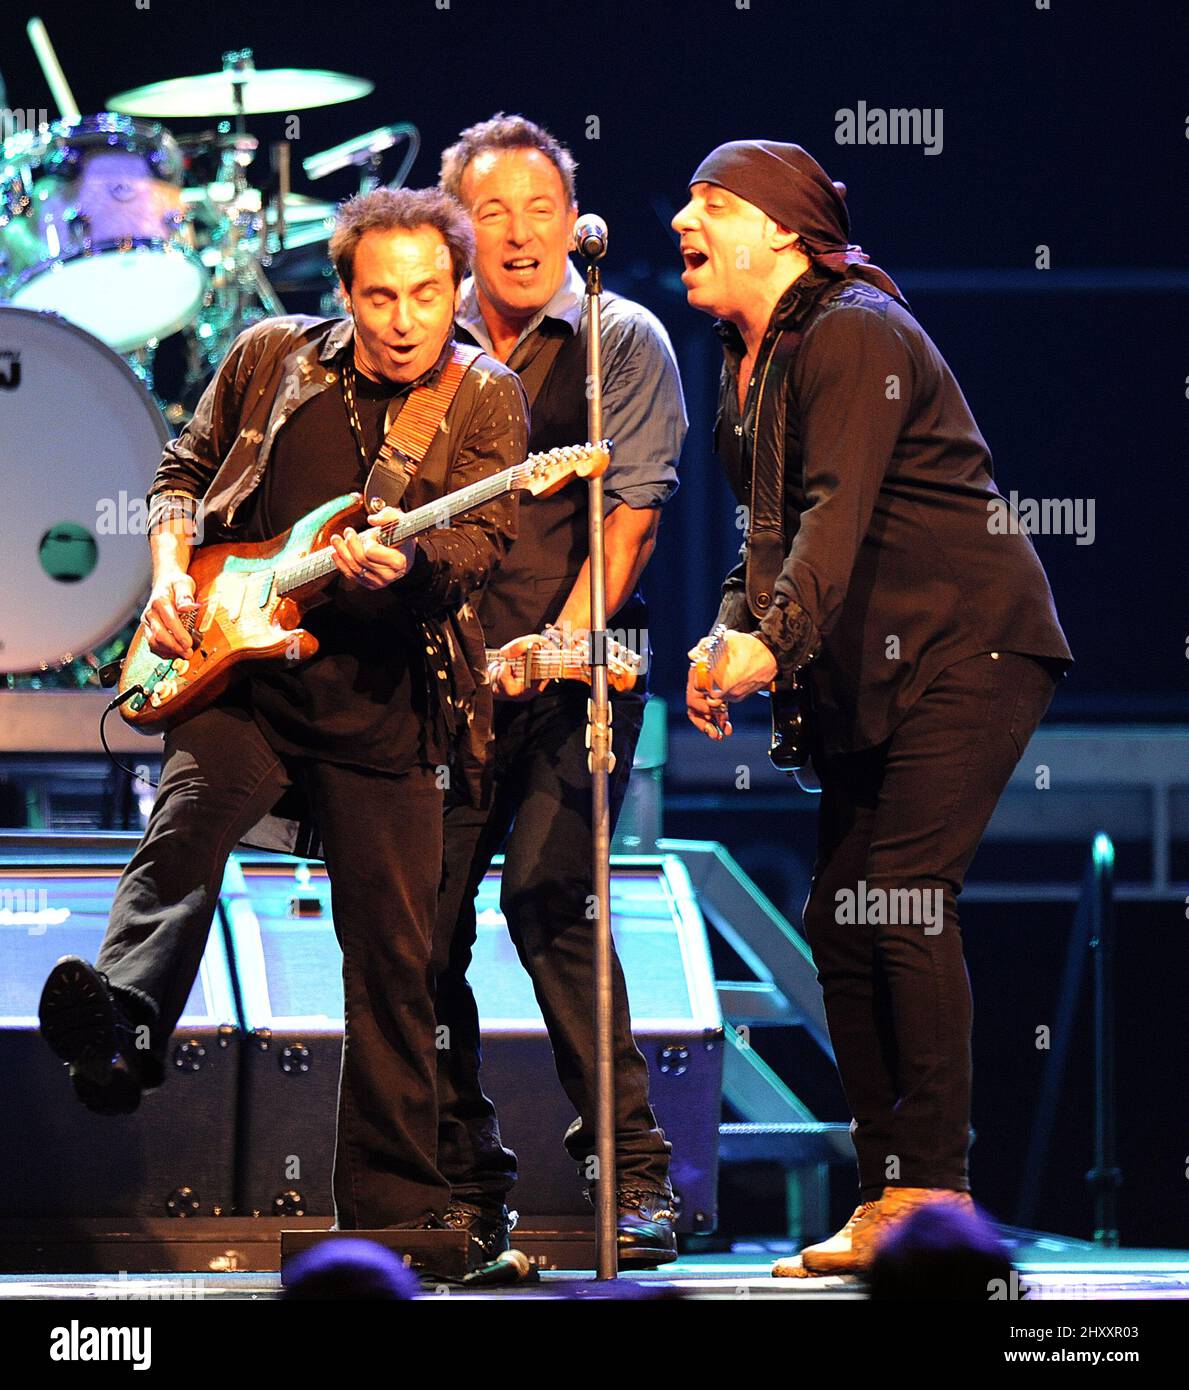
(240, 618)
(789, 750)
(250, 598)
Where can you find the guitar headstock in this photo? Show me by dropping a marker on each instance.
(623, 664)
(542, 474)
(705, 657)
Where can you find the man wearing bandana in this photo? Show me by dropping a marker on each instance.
(928, 631)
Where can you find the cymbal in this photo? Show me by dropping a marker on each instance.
(298, 206)
(264, 90)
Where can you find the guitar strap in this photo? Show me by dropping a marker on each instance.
(765, 532)
(412, 432)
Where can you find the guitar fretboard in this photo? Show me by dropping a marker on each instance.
(319, 564)
(537, 471)
(560, 663)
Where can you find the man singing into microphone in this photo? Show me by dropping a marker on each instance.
(526, 306)
(937, 646)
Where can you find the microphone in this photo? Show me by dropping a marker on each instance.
(512, 1267)
(362, 150)
(590, 237)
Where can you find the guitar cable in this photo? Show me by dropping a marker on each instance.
(108, 675)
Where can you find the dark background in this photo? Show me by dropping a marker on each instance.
(1063, 127)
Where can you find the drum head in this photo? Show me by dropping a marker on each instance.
(69, 142)
(80, 443)
(127, 295)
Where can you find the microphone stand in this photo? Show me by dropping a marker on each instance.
(601, 762)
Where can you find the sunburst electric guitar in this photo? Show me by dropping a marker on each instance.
(789, 749)
(250, 598)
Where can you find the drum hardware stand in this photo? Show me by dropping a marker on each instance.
(601, 760)
(238, 64)
(241, 292)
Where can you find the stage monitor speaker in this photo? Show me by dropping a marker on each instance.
(286, 955)
(175, 1155)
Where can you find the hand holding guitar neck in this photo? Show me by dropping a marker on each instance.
(704, 702)
(525, 665)
(364, 559)
(514, 668)
(726, 666)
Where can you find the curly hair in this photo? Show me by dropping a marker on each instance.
(503, 132)
(401, 209)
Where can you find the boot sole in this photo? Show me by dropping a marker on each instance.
(644, 1258)
(78, 1022)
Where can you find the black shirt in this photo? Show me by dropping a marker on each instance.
(888, 501)
(352, 701)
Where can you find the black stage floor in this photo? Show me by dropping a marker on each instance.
(1048, 1271)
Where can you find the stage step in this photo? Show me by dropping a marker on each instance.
(815, 1141)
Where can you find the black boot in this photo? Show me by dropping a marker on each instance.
(89, 1029)
(489, 1228)
(646, 1226)
(647, 1229)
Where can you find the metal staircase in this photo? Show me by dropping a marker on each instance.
(775, 1125)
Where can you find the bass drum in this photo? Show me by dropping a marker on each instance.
(80, 444)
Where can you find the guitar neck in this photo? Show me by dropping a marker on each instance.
(319, 565)
(544, 664)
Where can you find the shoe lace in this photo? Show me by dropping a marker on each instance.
(860, 1213)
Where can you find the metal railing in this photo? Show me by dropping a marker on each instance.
(1091, 937)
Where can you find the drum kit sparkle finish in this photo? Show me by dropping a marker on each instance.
(115, 236)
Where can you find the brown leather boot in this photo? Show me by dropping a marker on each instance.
(852, 1250)
(833, 1256)
(897, 1204)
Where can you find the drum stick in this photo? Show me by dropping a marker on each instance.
(52, 70)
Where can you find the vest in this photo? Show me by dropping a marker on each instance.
(532, 584)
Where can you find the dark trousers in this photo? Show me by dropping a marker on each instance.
(382, 843)
(541, 808)
(907, 815)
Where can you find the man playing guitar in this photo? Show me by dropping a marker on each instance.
(362, 733)
(869, 493)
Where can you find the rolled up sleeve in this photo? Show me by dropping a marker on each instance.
(643, 412)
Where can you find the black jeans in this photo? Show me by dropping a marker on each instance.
(909, 815)
(542, 808)
(382, 842)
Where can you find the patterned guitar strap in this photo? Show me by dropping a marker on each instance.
(412, 432)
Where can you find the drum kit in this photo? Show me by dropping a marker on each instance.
(125, 248)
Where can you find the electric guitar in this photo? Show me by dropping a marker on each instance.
(250, 598)
(789, 749)
(571, 663)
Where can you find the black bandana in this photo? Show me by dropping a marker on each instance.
(789, 185)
